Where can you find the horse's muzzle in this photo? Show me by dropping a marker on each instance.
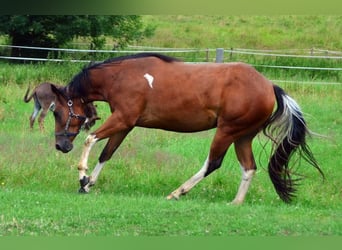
(65, 146)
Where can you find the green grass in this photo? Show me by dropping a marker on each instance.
(38, 185)
(252, 32)
(59, 214)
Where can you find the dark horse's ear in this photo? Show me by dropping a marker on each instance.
(55, 90)
(58, 91)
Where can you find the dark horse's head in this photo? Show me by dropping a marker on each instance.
(71, 115)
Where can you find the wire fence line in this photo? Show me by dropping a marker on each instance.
(219, 53)
(42, 59)
(138, 49)
(263, 53)
(106, 51)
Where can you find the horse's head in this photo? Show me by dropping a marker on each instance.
(71, 114)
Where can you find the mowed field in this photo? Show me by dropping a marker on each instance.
(38, 185)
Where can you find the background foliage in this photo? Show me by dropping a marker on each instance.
(55, 31)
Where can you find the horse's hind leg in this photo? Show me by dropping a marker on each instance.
(36, 109)
(243, 149)
(189, 184)
(217, 152)
(41, 119)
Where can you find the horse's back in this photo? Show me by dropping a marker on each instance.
(217, 84)
(195, 96)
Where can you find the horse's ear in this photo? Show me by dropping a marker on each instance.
(55, 90)
(58, 91)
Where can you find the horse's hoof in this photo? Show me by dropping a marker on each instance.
(84, 181)
(82, 190)
(172, 196)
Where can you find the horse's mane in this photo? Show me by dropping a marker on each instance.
(78, 85)
(142, 55)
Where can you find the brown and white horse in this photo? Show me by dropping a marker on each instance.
(156, 91)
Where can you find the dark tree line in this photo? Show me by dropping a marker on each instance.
(55, 31)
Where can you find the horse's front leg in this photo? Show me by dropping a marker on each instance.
(83, 164)
(111, 146)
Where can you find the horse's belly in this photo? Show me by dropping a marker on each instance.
(180, 121)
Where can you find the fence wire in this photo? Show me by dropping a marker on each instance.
(206, 55)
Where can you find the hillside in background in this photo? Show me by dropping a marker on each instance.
(255, 32)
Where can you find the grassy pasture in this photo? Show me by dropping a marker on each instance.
(38, 185)
(245, 31)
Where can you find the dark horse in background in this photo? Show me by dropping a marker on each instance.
(156, 91)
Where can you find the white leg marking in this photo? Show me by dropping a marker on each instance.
(189, 184)
(95, 174)
(35, 112)
(149, 79)
(52, 106)
(83, 164)
(247, 177)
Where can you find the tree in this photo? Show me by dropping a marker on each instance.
(55, 31)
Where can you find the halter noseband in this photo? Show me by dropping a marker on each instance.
(67, 125)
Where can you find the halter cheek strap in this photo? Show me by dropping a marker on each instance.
(65, 132)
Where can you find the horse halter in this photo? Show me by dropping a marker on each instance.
(67, 125)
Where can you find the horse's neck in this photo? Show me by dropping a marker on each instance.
(94, 88)
(96, 94)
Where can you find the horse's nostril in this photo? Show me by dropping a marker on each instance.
(64, 147)
(68, 147)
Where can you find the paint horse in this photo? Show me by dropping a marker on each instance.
(44, 99)
(156, 91)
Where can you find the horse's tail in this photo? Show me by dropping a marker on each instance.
(26, 97)
(287, 129)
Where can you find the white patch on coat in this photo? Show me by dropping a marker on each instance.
(149, 79)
